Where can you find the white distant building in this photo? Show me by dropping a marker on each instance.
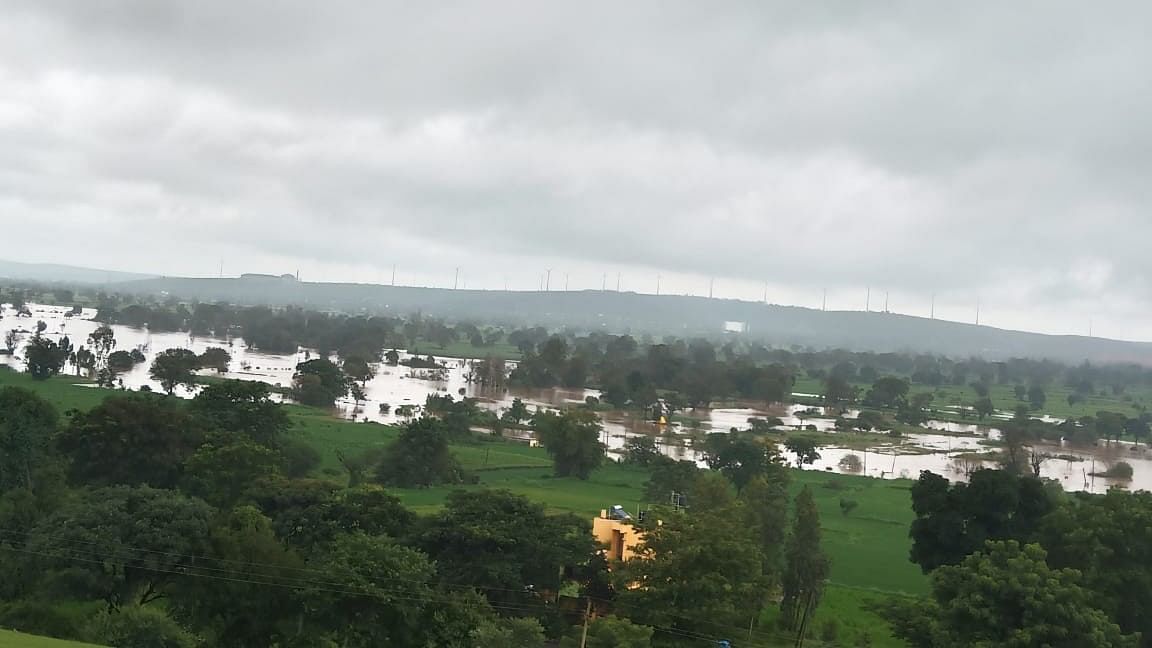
(735, 327)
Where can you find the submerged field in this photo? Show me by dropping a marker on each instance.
(869, 547)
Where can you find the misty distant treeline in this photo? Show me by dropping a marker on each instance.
(659, 315)
(628, 369)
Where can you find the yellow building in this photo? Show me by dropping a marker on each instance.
(619, 536)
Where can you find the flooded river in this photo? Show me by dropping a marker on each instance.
(941, 448)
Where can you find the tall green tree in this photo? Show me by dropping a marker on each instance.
(1006, 597)
(610, 632)
(806, 566)
(244, 610)
(572, 438)
(1108, 539)
(741, 458)
(243, 407)
(221, 470)
(502, 633)
(121, 544)
(358, 369)
(27, 425)
(373, 594)
(888, 392)
(173, 368)
(134, 625)
(215, 358)
(419, 457)
(953, 520)
(766, 512)
(504, 544)
(102, 341)
(44, 358)
(697, 574)
(130, 439)
(319, 383)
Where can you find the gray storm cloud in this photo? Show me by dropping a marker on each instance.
(987, 150)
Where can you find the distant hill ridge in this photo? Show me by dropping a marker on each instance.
(64, 273)
(659, 315)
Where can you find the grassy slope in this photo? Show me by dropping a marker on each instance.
(869, 548)
(10, 639)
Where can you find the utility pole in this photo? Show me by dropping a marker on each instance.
(584, 632)
(221, 268)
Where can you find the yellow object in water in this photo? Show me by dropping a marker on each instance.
(663, 421)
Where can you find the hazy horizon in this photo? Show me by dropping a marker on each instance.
(820, 147)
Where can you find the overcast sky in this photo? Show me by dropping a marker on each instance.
(989, 151)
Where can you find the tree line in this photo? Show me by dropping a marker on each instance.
(1016, 561)
(201, 522)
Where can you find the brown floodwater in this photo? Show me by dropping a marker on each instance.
(400, 385)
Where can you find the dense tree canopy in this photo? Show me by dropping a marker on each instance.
(319, 382)
(954, 520)
(130, 439)
(1007, 596)
(419, 457)
(27, 425)
(572, 438)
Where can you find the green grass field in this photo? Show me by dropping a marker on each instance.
(868, 548)
(10, 639)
